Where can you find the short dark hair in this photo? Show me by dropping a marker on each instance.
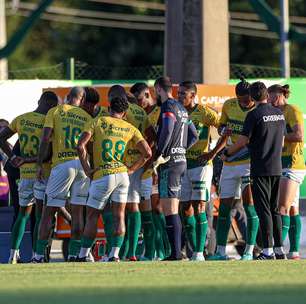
(279, 89)
(258, 91)
(48, 97)
(131, 97)
(164, 82)
(242, 87)
(2, 120)
(138, 88)
(119, 104)
(91, 95)
(116, 90)
(189, 85)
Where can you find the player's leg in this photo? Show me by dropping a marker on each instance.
(26, 200)
(295, 231)
(107, 217)
(147, 218)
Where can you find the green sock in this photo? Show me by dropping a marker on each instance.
(36, 228)
(285, 226)
(252, 224)
(167, 245)
(124, 248)
(201, 229)
(41, 246)
(85, 242)
(295, 233)
(74, 247)
(19, 229)
(190, 228)
(108, 229)
(117, 240)
(159, 243)
(223, 224)
(133, 231)
(148, 234)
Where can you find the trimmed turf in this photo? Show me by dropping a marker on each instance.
(159, 282)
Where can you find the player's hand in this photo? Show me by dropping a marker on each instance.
(17, 161)
(40, 173)
(205, 157)
(90, 173)
(227, 131)
(154, 179)
(160, 161)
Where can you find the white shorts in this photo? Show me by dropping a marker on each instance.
(134, 194)
(146, 188)
(196, 184)
(233, 180)
(298, 177)
(114, 187)
(29, 189)
(65, 178)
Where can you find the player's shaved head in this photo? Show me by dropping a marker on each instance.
(75, 95)
(116, 91)
(48, 98)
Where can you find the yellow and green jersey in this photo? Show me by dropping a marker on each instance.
(110, 138)
(292, 155)
(102, 111)
(137, 117)
(203, 118)
(29, 127)
(233, 117)
(67, 122)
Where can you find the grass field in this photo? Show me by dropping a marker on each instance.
(160, 282)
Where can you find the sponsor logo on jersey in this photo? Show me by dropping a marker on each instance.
(270, 118)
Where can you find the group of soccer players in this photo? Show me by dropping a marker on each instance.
(144, 165)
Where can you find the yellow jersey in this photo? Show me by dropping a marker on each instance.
(292, 155)
(67, 122)
(203, 118)
(110, 138)
(233, 117)
(137, 117)
(29, 127)
(102, 111)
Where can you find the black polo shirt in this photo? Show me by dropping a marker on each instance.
(265, 128)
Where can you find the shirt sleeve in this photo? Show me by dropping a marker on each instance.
(13, 125)
(248, 125)
(137, 136)
(49, 122)
(296, 117)
(212, 118)
(223, 119)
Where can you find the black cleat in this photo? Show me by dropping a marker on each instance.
(72, 259)
(263, 257)
(86, 259)
(280, 256)
(38, 261)
(113, 259)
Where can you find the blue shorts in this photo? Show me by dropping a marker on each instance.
(170, 179)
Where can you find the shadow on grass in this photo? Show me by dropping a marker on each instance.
(197, 294)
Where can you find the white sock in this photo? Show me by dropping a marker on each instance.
(84, 252)
(114, 252)
(38, 256)
(249, 249)
(14, 254)
(279, 250)
(267, 251)
(221, 250)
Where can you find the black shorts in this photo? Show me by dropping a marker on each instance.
(169, 179)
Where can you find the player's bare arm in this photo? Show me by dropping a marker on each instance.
(242, 141)
(43, 151)
(297, 134)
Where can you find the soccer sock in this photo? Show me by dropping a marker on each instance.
(174, 231)
(74, 247)
(166, 241)
(201, 229)
(36, 228)
(190, 228)
(117, 241)
(40, 247)
(124, 249)
(148, 234)
(223, 225)
(285, 226)
(295, 233)
(108, 229)
(252, 227)
(159, 243)
(133, 232)
(19, 229)
(86, 244)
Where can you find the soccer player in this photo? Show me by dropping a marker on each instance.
(293, 167)
(263, 132)
(196, 181)
(111, 135)
(29, 127)
(175, 134)
(63, 126)
(235, 176)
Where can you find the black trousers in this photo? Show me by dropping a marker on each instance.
(265, 190)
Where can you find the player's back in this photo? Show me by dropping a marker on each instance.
(68, 122)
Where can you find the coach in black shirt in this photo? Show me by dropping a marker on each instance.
(263, 132)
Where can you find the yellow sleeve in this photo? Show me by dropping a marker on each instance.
(224, 118)
(212, 118)
(137, 136)
(296, 117)
(13, 125)
(49, 122)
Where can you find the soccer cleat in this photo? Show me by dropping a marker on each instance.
(263, 257)
(247, 257)
(38, 260)
(72, 259)
(218, 257)
(133, 259)
(86, 259)
(197, 257)
(280, 256)
(293, 256)
(114, 259)
(144, 259)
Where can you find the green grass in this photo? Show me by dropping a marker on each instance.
(161, 282)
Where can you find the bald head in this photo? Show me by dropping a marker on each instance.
(116, 91)
(75, 96)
